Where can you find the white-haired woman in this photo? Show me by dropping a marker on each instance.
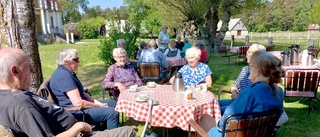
(243, 80)
(195, 72)
(120, 75)
(70, 92)
(163, 38)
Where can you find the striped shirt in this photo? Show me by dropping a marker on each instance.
(243, 80)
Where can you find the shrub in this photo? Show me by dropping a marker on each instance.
(130, 34)
(89, 27)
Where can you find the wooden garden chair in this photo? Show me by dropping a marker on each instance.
(302, 83)
(255, 124)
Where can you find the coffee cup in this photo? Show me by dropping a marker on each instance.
(203, 87)
(188, 95)
(133, 87)
(151, 84)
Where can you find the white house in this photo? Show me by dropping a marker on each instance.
(48, 18)
(236, 28)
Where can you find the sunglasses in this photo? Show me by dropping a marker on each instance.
(76, 59)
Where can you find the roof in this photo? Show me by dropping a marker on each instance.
(53, 1)
(313, 27)
(232, 23)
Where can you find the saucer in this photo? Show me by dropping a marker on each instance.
(133, 90)
(141, 98)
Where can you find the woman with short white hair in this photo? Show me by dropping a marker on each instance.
(70, 92)
(194, 73)
(120, 75)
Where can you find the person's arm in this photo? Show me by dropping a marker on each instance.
(209, 81)
(108, 81)
(178, 53)
(79, 127)
(166, 52)
(236, 85)
(76, 99)
(161, 35)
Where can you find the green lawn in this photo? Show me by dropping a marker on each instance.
(91, 72)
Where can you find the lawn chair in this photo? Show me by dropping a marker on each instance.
(302, 83)
(224, 53)
(150, 71)
(255, 124)
(242, 53)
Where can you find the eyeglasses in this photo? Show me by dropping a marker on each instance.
(76, 59)
(119, 57)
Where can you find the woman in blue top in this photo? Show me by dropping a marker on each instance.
(195, 72)
(163, 38)
(263, 94)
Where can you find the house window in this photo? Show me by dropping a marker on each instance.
(238, 32)
(51, 22)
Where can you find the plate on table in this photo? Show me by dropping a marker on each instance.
(134, 90)
(141, 98)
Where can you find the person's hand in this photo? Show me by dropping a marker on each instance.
(121, 87)
(103, 105)
(85, 129)
(234, 94)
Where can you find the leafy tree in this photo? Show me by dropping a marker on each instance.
(89, 27)
(314, 16)
(71, 9)
(18, 30)
(301, 22)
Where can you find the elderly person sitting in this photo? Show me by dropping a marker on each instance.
(186, 46)
(143, 46)
(264, 94)
(121, 43)
(120, 76)
(195, 72)
(180, 44)
(70, 92)
(243, 80)
(172, 51)
(153, 55)
(204, 58)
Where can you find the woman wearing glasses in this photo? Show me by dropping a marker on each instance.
(120, 75)
(70, 92)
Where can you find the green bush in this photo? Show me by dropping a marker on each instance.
(130, 35)
(89, 27)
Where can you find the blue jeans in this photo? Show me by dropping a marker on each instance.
(224, 104)
(97, 114)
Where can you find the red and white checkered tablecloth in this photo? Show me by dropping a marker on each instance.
(172, 109)
(173, 61)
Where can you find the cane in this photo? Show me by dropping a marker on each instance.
(151, 103)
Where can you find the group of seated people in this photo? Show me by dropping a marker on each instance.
(28, 114)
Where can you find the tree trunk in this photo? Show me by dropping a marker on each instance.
(212, 20)
(226, 6)
(18, 30)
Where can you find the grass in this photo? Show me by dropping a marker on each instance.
(91, 73)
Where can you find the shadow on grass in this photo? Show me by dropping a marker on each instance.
(91, 76)
(298, 124)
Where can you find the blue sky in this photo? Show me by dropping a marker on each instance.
(106, 3)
